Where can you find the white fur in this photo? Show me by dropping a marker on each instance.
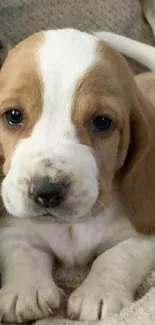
(141, 52)
(26, 251)
(27, 246)
(113, 279)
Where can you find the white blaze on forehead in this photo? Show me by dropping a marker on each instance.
(64, 57)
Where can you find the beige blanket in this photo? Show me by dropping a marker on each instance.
(18, 19)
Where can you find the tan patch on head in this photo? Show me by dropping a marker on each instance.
(20, 87)
(107, 88)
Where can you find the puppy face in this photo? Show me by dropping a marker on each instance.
(66, 101)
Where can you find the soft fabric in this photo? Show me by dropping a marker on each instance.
(149, 10)
(141, 312)
(20, 18)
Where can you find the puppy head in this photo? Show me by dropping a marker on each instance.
(69, 111)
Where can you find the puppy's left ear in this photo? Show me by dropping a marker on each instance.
(138, 135)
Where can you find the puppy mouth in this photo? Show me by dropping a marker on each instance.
(72, 205)
(64, 213)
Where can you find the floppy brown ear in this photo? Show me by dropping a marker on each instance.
(139, 136)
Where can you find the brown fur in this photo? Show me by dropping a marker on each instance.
(21, 87)
(123, 153)
(140, 192)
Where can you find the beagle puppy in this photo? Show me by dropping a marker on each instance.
(78, 156)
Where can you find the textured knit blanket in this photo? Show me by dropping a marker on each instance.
(133, 18)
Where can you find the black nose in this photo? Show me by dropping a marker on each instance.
(46, 193)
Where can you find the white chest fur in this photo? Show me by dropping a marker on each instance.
(73, 243)
(77, 243)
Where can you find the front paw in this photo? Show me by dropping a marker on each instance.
(93, 302)
(28, 302)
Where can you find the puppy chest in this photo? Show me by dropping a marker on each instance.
(78, 243)
(72, 244)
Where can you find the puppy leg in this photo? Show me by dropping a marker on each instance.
(28, 290)
(113, 279)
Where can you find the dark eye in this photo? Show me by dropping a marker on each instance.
(101, 123)
(14, 117)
